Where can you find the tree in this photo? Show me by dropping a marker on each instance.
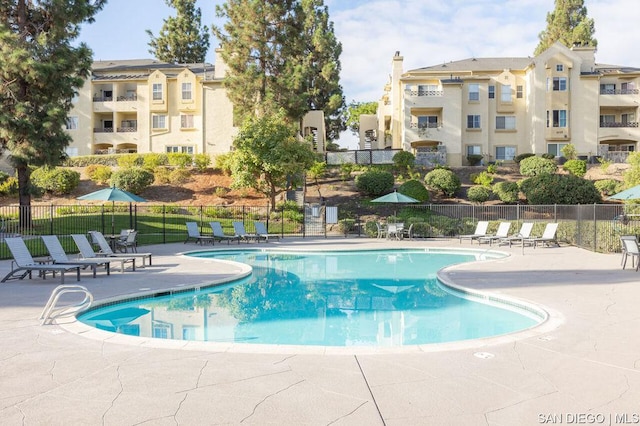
(281, 55)
(182, 39)
(355, 110)
(568, 24)
(40, 73)
(268, 157)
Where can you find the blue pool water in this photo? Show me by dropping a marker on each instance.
(362, 298)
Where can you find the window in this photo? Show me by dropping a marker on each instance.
(505, 153)
(627, 88)
(559, 68)
(186, 91)
(474, 150)
(427, 122)
(157, 92)
(186, 121)
(627, 118)
(607, 120)
(72, 123)
(505, 122)
(161, 331)
(559, 84)
(473, 121)
(556, 148)
(519, 92)
(505, 93)
(607, 89)
(427, 89)
(474, 92)
(492, 92)
(159, 122)
(181, 149)
(557, 118)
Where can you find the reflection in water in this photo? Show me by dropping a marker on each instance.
(318, 299)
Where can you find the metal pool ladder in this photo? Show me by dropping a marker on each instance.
(48, 311)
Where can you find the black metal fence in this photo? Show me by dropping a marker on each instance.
(593, 227)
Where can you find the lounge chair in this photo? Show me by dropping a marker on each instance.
(630, 248)
(525, 232)
(25, 265)
(241, 233)
(107, 251)
(193, 233)
(548, 236)
(218, 233)
(86, 252)
(502, 232)
(59, 256)
(261, 231)
(481, 231)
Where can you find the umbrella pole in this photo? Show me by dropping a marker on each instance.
(113, 218)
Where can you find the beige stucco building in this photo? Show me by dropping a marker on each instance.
(151, 106)
(502, 107)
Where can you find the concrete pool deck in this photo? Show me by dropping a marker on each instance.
(583, 366)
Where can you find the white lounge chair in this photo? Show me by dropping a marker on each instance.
(106, 250)
(241, 233)
(525, 232)
(548, 236)
(502, 232)
(193, 233)
(261, 231)
(481, 231)
(23, 264)
(86, 252)
(59, 256)
(218, 233)
(630, 248)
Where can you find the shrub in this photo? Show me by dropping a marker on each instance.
(287, 205)
(520, 157)
(482, 178)
(201, 161)
(474, 159)
(569, 151)
(179, 176)
(293, 215)
(608, 186)
(345, 225)
(153, 160)
(375, 182)
(534, 166)
(507, 192)
(179, 159)
(133, 179)
(221, 191)
(576, 167)
(127, 161)
(98, 173)
(223, 162)
(478, 194)
(548, 156)
(415, 189)
(492, 169)
(404, 160)
(560, 189)
(162, 175)
(9, 186)
(604, 164)
(443, 180)
(57, 181)
(345, 171)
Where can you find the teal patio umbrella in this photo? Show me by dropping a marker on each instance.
(395, 197)
(114, 194)
(632, 193)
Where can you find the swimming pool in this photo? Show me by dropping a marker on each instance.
(383, 298)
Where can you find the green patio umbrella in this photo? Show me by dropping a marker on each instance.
(395, 197)
(114, 194)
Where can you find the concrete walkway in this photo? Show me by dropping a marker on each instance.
(582, 366)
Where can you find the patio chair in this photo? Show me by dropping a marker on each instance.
(59, 256)
(128, 242)
(193, 233)
(86, 252)
(218, 233)
(25, 264)
(502, 232)
(241, 233)
(107, 251)
(630, 248)
(395, 230)
(525, 232)
(481, 231)
(261, 231)
(382, 230)
(548, 236)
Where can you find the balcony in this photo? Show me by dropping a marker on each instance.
(616, 124)
(423, 92)
(619, 91)
(103, 130)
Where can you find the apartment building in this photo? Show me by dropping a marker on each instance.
(142, 106)
(502, 107)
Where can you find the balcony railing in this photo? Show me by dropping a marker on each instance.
(619, 124)
(619, 91)
(424, 92)
(127, 129)
(102, 98)
(424, 126)
(132, 97)
(103, 130)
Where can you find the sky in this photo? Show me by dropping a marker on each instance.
(425, 32)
